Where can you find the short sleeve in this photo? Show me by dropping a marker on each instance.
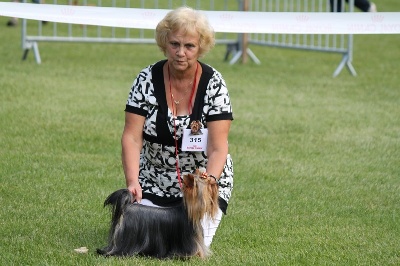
(139, 94)
(220, 107)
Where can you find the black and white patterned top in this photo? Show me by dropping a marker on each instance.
(157, 175)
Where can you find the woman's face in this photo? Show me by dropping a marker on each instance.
(182, 50)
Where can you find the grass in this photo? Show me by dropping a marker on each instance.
(316, 158)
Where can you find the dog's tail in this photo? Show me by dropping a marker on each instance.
(118, 201)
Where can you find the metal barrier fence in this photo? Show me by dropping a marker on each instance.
(341, 44)
(237, 44)
(34, 31)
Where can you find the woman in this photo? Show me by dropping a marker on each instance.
(167, 100)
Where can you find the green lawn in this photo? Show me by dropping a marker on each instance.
(317, 159)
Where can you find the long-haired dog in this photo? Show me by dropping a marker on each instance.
(170, 232)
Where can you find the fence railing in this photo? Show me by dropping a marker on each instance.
(341, 44)
(237, 44)
(39, 31)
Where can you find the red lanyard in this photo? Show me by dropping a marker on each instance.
(173, 116)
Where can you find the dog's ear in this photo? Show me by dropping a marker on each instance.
(188, 180)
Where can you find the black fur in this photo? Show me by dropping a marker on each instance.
(150, 231)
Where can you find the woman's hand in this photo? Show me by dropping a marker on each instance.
(136, 190)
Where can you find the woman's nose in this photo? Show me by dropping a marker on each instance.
(180, 50)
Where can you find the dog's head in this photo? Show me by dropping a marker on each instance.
(200, 195)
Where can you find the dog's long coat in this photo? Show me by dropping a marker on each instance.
(160, 232)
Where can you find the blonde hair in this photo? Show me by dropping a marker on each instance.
(190, 21)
